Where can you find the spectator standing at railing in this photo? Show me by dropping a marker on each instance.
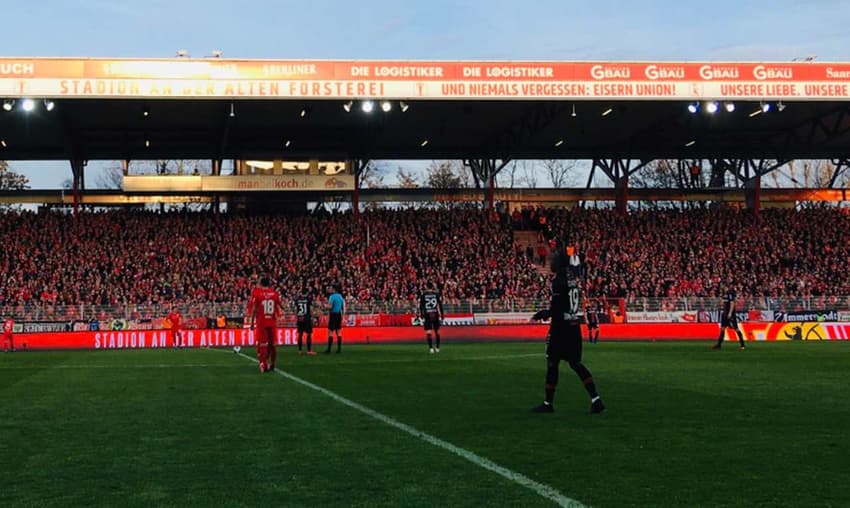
(8, 335)
(175, 323)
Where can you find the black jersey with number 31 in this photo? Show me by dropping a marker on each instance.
(303, 306)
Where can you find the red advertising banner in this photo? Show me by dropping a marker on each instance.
(159, 339)
(219, 78)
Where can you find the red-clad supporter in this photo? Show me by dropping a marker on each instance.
(8, 335)
(175, 324)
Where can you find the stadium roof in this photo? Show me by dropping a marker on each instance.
(257, 109)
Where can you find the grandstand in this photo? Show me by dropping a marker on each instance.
(149, 426)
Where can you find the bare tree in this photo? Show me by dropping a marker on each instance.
(112, 177)
(406, 179)
(445, 175)
(560, 172)
(508, 177)
(10, 180)
(371, 176)
(658, 174)
(529, 173)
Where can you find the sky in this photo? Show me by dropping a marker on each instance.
(777, 30)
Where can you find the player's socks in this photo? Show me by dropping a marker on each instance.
(550, 394)
(430, 342)
(339, 343)
(437, 342)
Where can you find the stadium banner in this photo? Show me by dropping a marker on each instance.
(844, 316)
(42, 326)
(159, 339)
(408, 80)
(713, 316)
(661, 317)
(502, 318)
(794, 331)
(237, 183)
(808, 315)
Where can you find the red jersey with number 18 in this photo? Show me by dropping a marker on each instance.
(264, 306)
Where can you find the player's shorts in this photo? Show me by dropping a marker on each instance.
(591, 325)
(305, 326)
(334, 321)
(729, 323)
(564, 343)
(431, 324)
(264, 334)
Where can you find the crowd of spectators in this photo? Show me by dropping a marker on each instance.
(780, 253)
(132, 257)
(117, 257)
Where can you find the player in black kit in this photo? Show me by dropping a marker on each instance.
(564, 340)
(304, 319)
(431, 312)
(729, 320)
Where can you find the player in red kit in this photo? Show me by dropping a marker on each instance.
(8, 339)
(175, 319)
(264, 308)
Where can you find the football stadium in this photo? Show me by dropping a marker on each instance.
(252, 318)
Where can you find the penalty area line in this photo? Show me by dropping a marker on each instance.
(538, 488)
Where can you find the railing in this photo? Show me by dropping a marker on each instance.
(85, 312)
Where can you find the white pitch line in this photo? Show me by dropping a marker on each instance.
(122, 367)
(539, 488)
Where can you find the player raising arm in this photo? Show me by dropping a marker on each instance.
(564, 340)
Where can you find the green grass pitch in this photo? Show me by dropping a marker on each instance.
(685, 426)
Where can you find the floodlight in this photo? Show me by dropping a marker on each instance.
(347, 106)
(8, 104)
(403, 106)
(712, 107)
(28, 105)
(367, 106)
(49, 104)
(730, 107)
(386, 106)
(780, 107)
(693, 107)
